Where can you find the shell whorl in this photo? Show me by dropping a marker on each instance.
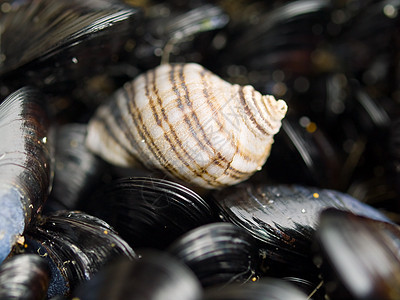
(189, 123)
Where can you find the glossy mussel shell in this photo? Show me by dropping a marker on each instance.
(218, 253)
(76, 246)
(46, 41)
(24, 277)
(149, 212)
(156, 275)
(360, 256)
(77, 171)
(25, 163)
(284, 217)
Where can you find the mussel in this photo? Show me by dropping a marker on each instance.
(284, 218)
(218, 253)
(25, 163)
(59, 43)
(156, 275)
(149, 212)
(77, 172)
(75, 245)
(24, 277)
(360, 256)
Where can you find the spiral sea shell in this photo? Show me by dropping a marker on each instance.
(189, 123)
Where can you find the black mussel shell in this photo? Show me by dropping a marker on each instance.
(266, 288)
(156, 275)
(284, 218)
(77, 170)
(149, 212)
(60, 40)
(25, 163)
(76, 246)
(361, 256)
(218, 253)
(24, 276)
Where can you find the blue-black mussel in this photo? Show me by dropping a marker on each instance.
(75, 245)
(77, 172)
(156, 275)
(283, 218)
(24, 277)
(149, 212)
(63, 46)
(25, 163)
(79, 52)
(218, 253)
(359, 256)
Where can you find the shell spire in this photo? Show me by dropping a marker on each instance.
(189, 123)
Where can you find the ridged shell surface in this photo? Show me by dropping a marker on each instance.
(188, 122)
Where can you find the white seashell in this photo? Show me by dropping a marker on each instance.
(189, 123)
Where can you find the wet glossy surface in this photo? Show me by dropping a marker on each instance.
(76, 246)
(218, 253)
(25, 163)
(149, 212)
(24, 277)
(363, 254)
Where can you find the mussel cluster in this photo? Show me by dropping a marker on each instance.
(143, 154)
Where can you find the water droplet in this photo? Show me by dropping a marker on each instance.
(303, 211)
(74, 60)
(270, 201)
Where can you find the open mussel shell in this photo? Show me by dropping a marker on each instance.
(25, 163)
(24, 276)
(284, 218)
(156, 275)
(77, 171)
(218, 253)
(360, 256)
(76, 246)
(149, 212)
(266, 288)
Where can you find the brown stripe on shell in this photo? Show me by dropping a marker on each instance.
(233, 172)
(187, 121)
(177, 140)
(269, 124)
(248, 111)
(217, 154)
(144, 134)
